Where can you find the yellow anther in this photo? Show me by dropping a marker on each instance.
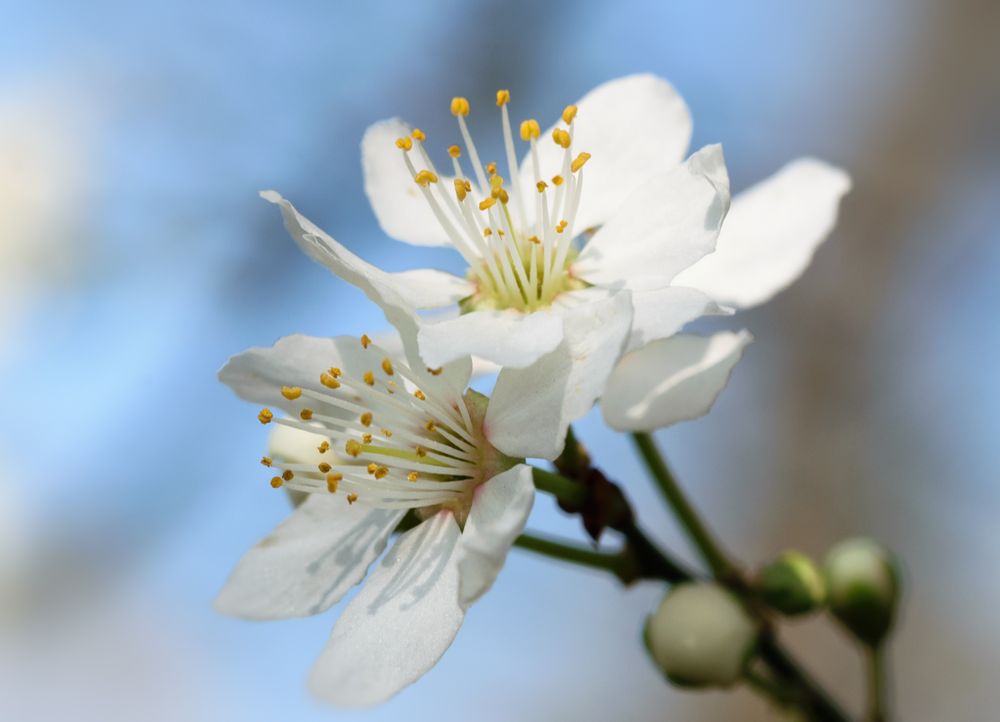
(420, 451)
(266, 460)
(500, 230)
(412, 476)
(425, 178)
(434, 372)
(541, 186)
(503, 198)
(352, 497)
(561, 226)
(386, 433)
(557, 180)
(530, 129)
(404, 143)
(291, 392)
(353, 448)
(503, 97)
(418, 134)
(367, 438)
(534, 239)
(276, 482)
(306, 414)
(372, 468)
(488, 203)
(369, 378)
(332, 480)
(496, 182)
(420, 395)
(430, 426)
(287, 475)
(491, 168)
(454, 151)
(335, 372)
(324, 467)
(265, 416)
(569, 112)
(460, 190)
(488, 231)
(366, 418)
(579, 162)
(365, 341)
(459, 106)
(382, 472)
(561, 137)
(387, 367)
(329, 381)
(323, 447)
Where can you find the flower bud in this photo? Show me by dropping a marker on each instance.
(792, 584)
(863, 585)
(700, 636)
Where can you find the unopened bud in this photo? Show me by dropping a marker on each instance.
(863, 585)
(700, 636)
(791, 584)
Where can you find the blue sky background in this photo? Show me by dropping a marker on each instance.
(135, 473)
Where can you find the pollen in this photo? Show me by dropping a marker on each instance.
(561, 226)
(568, 114)
(488, 203)
(353, 448)
(367, 438)
(420, 395)
(323, 447)
(366, 418)
(460, 190)
(335, 372)
(266, 460)
(412, 476)
(502, 196)
(369, 378)
(291, 392)
(287, 475)
(323, 467)
(541, 186)
(387, 367)
(459, 107)
(332, 480)
(503, 97)
(579, 162)
(381, 472)
(404, 143)
(372, 468)
(557, 180)
(561, 137)
(488, 231)
(365, 341)
(276, 482)
(352, 497)
(329, 381)
(530, 129)
(306, 414)
(418, 134)
(424, 178)
(265, 416)
(454, 151)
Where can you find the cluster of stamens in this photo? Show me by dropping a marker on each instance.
(515, 262)
(390, 444)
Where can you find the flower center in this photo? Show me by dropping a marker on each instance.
(517, 240)
(391, 445)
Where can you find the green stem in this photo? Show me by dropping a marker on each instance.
(814, 699)
(877, 693)
(696, 529)
(559, 486)
(569, 552)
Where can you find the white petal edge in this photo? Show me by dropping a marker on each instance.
(671, 380)
(400, 623)
(531, 408)
(309, 562)
(400, 207)
(430, 288)
(665, 226)
(507, 338)
(500, 509)
(634, 127)
(771, 233)
(662, 312)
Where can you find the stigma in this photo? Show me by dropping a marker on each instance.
(517, 240)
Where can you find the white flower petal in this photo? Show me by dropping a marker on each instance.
(308, 562)
(381, 287)
(402, 621)
(662, 312)
(508, 338)
(399, 205)
(499, 512)
(770, 234)
(634, 127)
(429, 288)
(670, 222)
(531, 408)
(670, 380)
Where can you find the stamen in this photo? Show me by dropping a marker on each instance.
(579, 161)
(365, 341)
(369, 378)
(353, 448)
(530, 129)
(332, 480)
(352, 497)
(561, 137)
(404, 143)
(287, 475)
(323, 467)
(323, 447)
(291, 392)
(387, 366)
(306, 414)
(454, 151)
(366, 418)
(425, 178)
(569, 113)
(276, 482)
(265, 416)
(503, 97)
(460, 107)
(418, 134)
(266, 460)
(328, 380)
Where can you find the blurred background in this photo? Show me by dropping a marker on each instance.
(135, 257)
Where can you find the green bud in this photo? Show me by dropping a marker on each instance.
(863, 585)
(700, 636)
(792, 584)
